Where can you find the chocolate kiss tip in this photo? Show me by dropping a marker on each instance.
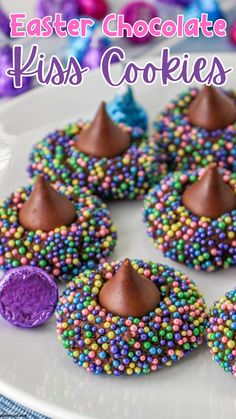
(129, 294)
(46, 208)
(103, 138)
(210, 196)
(212, 109)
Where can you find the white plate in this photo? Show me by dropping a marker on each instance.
(34, 367)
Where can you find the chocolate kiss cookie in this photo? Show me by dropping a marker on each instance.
(129, 294)
(103, 138)
(191, 218)
(212, 109)
(103, 342)
(210, 196)
(46, 208)
(65, 250)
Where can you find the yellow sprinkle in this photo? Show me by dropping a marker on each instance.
(129, 371)
(94, 346)
(105, 346)
(231, 344)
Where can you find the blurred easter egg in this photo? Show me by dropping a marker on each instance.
(197, 7)
(94, 8)
(78, 46)
(233, 33)
(68, 8)
(4, 23)
(139, 10)
(7, 88)
(97, 48)
(126, 110)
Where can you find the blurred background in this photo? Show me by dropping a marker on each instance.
(90, 49)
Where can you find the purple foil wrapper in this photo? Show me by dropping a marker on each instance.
(6, 84)
(183, 3)
(4, 23)
(68, 8)
(28, 296)
(137, 10)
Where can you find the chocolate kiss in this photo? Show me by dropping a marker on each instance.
(103, 138)
(212, 109)
(46, 209)
(210, 196)
(129, 294)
